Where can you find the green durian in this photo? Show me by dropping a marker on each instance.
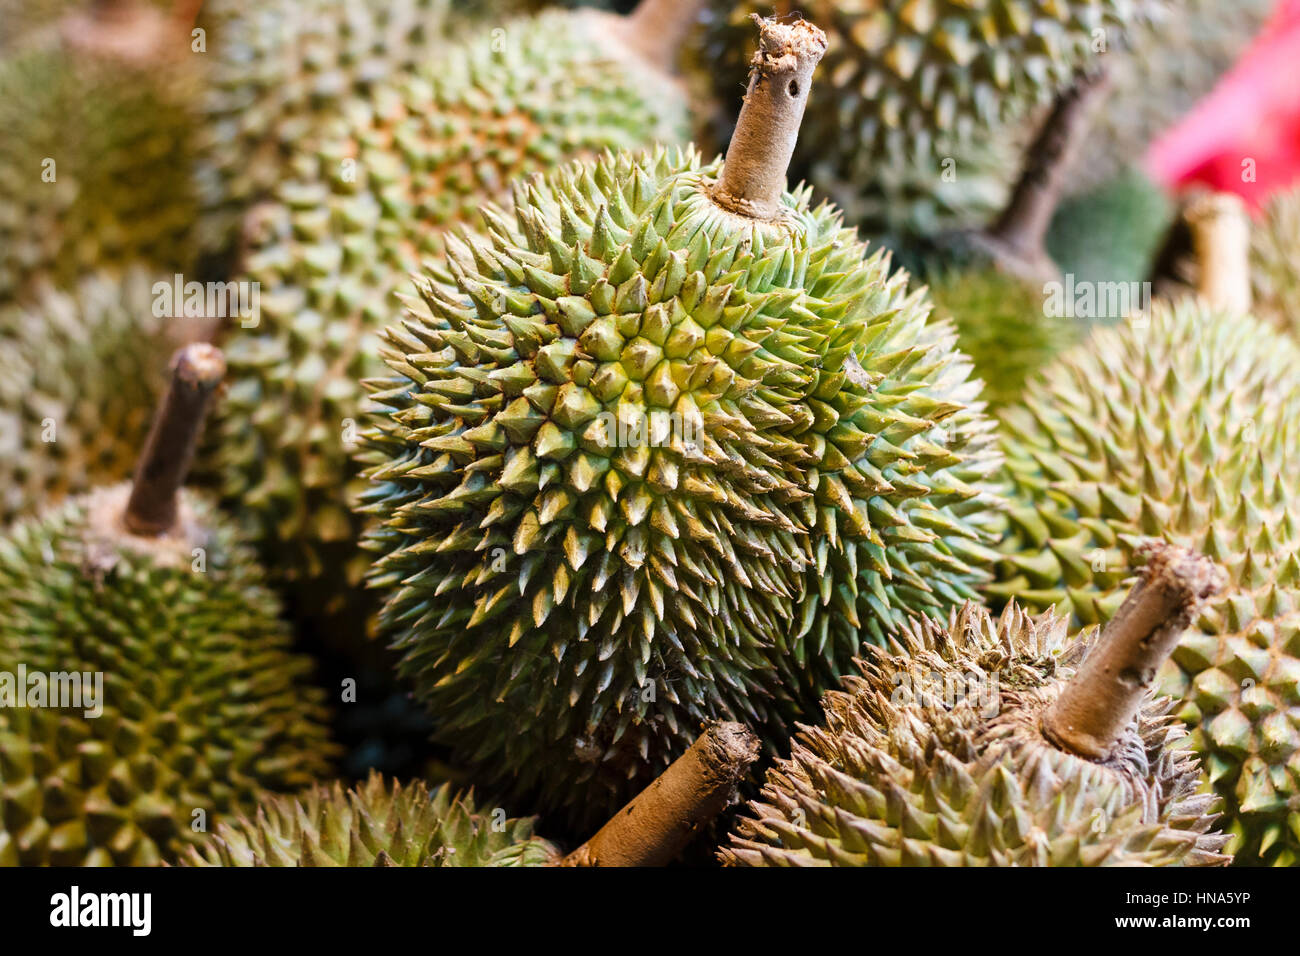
(201, 707)
(95, 167)
(1005, 327)
(911, 90)
(287, 71)
(1180, 426)
(934, 756)
(1274, 270)
(373, 824)
(643, 461)
(331, 251)
(79, 373)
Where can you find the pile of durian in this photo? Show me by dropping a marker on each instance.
(429, 425)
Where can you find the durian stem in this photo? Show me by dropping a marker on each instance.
(780, 76)
(1021, 229)
(1221, 236)
(1101, 699)
(656, 29)
(197, 370)
(652, 829)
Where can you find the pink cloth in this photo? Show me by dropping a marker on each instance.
(1252, 114)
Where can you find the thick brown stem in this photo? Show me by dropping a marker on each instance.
(1221, 236)
(1020, 233)
(132, 31)
(780, 76)
(656, 29)
(197, 370)
(653, 828)
(1101, 699)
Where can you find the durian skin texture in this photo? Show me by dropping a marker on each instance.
(934, 757)
(572, 604)
(96, 168)
(333, 248)
(204, 708)
(1183, 429)
(374, 824)
(84, 369)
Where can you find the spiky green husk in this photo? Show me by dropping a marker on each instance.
(1275, 271)
(1183, 429)
(95, 169)
(203, 706)
(373, 824)
(934, 757)
(905, 86)
(284, 72)
(330, 253)
(1171, 68)
(644, 463)
(1003, 325)
(79, 374)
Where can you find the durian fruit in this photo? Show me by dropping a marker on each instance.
(1274, 268)
(998, 743)
(95, 164)
(78, 374)
(1004, 325)
(657, 451)
(907, 86)
(284, 72)
(1180, 426)
(201, 707)
(333, 249)
(375, 824)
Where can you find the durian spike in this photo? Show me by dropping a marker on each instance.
(1220, 229)
(656, 29)
(1102, 697)
(780, 76)
(1017, 240)
(197, 370)
(659, 821)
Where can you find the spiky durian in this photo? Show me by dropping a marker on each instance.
(1004, 325)
(419, 157)
(646, 460)
(79, 373)
(95, 167)
(1274, 270)
(937, 756)
(373, 824)
(1181, 426)
(908, 86)
(201, 707)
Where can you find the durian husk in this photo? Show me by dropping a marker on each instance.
(934, 756)
(374, 824)
(572, 611)
(204, 708)
(332, 249)
(1181, 426)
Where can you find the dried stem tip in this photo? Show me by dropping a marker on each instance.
(780, 76)
(197, 370)
(653, 828)
(1221, 235)
(1102, 698)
